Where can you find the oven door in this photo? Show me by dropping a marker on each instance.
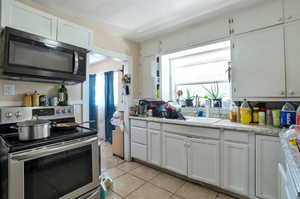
(66, 171)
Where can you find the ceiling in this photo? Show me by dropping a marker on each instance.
(141, 19)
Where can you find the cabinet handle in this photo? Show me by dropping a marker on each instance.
(282, 93)
(292, 92)
(290, 17)
(280, 19)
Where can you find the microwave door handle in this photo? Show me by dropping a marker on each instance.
(76, 63)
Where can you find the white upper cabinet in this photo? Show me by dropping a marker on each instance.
(74, 34)
(175, 153)
(236, 167)
(204, 160)
(292, 44)
(263, 14)
(258, 64)
(291, 9)
(19, 16)
(210, 31)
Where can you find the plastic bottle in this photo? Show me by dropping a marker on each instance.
(245, 111)
(233, 113)
(288, 115)
(298, 116)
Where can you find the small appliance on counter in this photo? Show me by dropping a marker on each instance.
(31, 166)
(150, 104)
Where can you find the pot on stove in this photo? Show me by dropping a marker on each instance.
(33, 129)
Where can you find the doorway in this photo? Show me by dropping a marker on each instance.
(105, 102)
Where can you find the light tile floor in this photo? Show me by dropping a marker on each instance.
(108, 160)
(136, 181)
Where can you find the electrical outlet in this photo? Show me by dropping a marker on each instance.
(9, 90)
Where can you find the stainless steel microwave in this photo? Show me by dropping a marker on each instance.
(30, 56)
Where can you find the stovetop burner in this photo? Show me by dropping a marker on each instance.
(14, 144)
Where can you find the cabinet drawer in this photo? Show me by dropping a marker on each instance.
(139, 135)
(192, 131)
(236, 136)
(139, 151)
(154, 125)
(139, 123)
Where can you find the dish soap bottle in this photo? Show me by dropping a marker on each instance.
(63, 96)
(288, 115)
(245, 113)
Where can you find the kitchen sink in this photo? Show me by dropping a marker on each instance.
(202, 119)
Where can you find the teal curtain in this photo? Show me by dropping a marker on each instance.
(92, 100)
(109, 104)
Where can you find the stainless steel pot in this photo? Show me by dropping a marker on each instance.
(33, 129)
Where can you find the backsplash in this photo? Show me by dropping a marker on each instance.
(207, 112)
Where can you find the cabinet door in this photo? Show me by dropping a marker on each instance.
(258, 64)
(148, 83)
(204, 160)
(268, 155)
(236, 169)
(291, 9)
(154, 147)
(292, 46)
(139, 151)
(175, 153)
(19, 16)
(74, 34)
(255, 17)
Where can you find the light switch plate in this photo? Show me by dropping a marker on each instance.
(9, 89)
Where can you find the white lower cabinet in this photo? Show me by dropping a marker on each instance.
(139, 151)
(268, 155)
(175, 153)
(204, 160)
(237, 161)
(154, 147)
(236, 167)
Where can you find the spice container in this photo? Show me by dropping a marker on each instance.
(269, 117)
(27, 101)
(35, 99)
(255, 114)
(261, 118)
(276, 118)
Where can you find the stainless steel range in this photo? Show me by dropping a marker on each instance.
(64, 165)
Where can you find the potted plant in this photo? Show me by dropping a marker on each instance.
(213, 94)
(189, 99)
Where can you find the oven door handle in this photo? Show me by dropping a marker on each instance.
(51, 150)
(76, 63)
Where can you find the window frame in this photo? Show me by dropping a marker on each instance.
(174, 86)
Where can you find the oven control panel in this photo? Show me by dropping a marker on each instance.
(19, 114)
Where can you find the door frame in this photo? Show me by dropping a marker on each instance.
(128, 100)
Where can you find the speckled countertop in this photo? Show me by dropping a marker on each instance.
(216, 123)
